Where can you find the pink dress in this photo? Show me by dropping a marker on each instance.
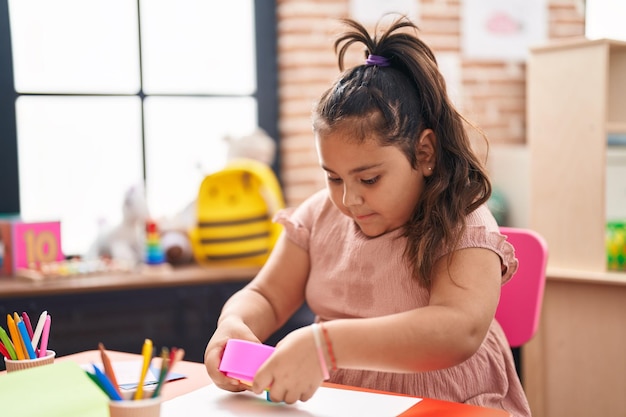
(353, 275)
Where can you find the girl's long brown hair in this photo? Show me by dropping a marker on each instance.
(395, 104)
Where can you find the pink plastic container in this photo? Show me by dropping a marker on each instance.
(242, 359)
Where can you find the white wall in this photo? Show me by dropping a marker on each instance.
(508, 167)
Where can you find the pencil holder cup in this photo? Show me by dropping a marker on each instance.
(148, 407)
(242, 359)
(18, 365)
(129, 394)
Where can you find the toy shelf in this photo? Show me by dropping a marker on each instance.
(576, 93)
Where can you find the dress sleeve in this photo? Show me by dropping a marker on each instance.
(294, 230)
(482, 231)
(482, 237)
(298, 222)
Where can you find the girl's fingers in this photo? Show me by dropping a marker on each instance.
(261, 383)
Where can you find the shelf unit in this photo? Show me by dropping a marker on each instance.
(576, 95)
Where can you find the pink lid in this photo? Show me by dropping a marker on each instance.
(242, 359)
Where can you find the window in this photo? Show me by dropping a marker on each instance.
(99, 96)
(605, 19)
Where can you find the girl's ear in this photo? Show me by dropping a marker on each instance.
(425, 152)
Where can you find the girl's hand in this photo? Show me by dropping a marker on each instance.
(293, 371)
(229, 329)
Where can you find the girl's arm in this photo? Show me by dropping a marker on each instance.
(274, 295)
(261, 307)
(463, 301)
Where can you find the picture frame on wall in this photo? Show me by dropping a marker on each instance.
(502, 29)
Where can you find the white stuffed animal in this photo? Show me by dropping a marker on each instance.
(126, 241)
(256, 145)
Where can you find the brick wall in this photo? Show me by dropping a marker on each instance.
(492, 93)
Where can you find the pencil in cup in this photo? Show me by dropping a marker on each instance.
(124, 404)
(144, 401)
(19, 345)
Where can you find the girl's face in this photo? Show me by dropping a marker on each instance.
(372, 184)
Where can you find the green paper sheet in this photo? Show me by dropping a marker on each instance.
(61, 389)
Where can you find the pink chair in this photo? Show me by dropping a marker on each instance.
(521, 298)
(519, 308)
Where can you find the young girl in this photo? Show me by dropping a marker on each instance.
(398, 257)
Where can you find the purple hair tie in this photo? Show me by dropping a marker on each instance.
(381, 61)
